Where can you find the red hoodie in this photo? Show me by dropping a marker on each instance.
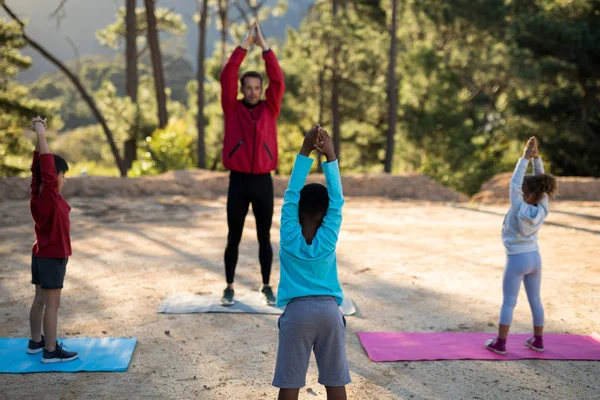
(50, 211)
(250, 144)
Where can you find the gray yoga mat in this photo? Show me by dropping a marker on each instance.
(250, 304)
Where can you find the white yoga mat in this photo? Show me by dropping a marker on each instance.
(250, 304)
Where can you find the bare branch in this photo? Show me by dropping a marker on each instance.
(59, 13)
(76, 52)
(190, 18)
(243, 13)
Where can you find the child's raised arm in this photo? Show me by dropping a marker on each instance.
(39, 126)
(289, 210)
(538, 165)
(327, 235)
(516, 182)
(49, 179)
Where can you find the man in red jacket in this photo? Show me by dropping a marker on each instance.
(51, 249)
(250, 153)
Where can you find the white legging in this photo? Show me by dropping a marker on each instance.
(525, 267)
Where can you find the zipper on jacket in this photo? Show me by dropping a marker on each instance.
(237, 146)
(254, 142)
(268, 151)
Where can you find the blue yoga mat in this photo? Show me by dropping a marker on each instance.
(95, 354)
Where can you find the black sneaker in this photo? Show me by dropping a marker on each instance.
(36, 347)
(267, 296)
(227, 299)
(58, 355)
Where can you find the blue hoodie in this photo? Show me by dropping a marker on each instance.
(310, 270)
(523, 221)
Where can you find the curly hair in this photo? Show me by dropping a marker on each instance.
(540, 184)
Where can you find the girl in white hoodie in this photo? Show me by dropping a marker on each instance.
(528, 209)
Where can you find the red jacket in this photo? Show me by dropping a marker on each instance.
(50, 212)
(250, 144)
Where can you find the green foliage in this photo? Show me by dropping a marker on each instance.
(82, 144)
(94, 72)
(167, 149)
(475, 78)
(362, 63)
(17, 107)
(93, 168)
(166, 22)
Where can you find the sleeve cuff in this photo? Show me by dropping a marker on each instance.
(267, 51)
(333, 165)
(523, 162)
(303, 160)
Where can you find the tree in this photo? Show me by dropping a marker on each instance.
(392, 91)
(115, 34)
(223, 10)
(560, 54)
(131, 75)
(157, 67)
(307, 60)
(335, 82)
(200, 120)
(16, 105)
(75, 80)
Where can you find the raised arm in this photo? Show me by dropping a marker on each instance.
(49, 178)
(274, 93)
(538, 166)
(516, 182)
(538, 169)
(230, 74)
(35, 184)
(328, 233)
(289, 211)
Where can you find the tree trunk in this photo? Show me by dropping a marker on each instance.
(200, 78)
(321, 110)
(131, 73)
(131, 77)
(335, 79)
(223, 15)
(75, 80)
(159, 79)
(392, 90)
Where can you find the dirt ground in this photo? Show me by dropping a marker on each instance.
(409, 266)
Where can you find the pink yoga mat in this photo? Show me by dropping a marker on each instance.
(421, 346)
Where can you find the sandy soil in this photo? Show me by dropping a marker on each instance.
(409, 266)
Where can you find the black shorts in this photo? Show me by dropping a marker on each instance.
(49, 273)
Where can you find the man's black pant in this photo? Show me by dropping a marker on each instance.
(243, 190)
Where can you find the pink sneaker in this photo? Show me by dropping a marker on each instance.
(535, 343)
(496, 345)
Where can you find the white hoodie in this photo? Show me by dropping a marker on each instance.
(523, 221)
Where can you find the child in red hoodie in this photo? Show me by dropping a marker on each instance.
(51, 249)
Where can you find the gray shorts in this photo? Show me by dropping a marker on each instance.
(49, 273)
(308, 324)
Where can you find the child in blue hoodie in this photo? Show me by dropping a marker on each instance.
(311, 217)
(528, 209)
